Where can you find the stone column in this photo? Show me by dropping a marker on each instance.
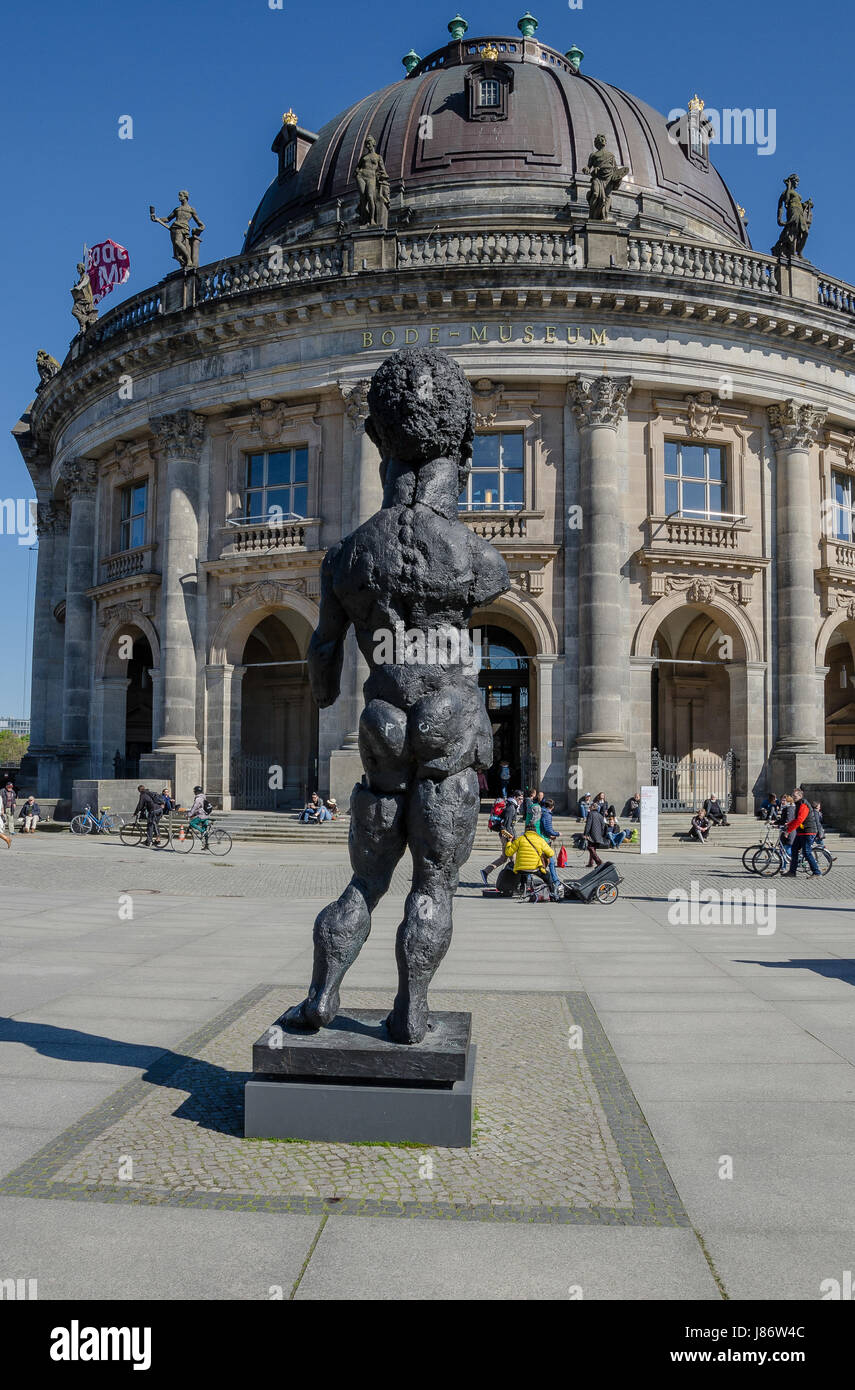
(599, 406)
(550, 723)
(111, 707)
(177, 756)
(747, 734)
(80, 477)
(48, 639)
(222, 681)
(365, 499)
(798, 753)
(640, 673)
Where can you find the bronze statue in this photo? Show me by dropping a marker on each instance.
(795, 217)
(185, 244)
(83, 301)
(606, 176)
(47, 367)
(373, 184)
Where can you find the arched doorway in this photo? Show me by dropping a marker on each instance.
(277, 763)
(124, 698)
(839, 700)
(138, 707)
(690, 715)
(504, 680)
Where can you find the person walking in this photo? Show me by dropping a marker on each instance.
(550, 834)
(506, 832)
(595, 833)
(803, 828)
(150, 807)
(31, 814)
(532, 808)
(8, 801)
(504, 778)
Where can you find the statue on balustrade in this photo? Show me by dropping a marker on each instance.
(185, 243)
(795, 217)
(373, 184)
(407, 580)
(606, 176)
(82, 299)
(47, 367)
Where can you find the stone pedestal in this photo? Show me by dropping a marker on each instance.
(788, 769)
(346, 772)
(350, 1083)
(180, 771)
(613, 771)
(605, 246)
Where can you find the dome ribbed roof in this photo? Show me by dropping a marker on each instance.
(553, 115)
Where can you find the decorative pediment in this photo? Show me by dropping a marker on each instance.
(487, 401)
(265, 591)
(701, 588)
(267, 420)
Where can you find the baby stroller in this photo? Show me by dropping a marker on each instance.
(601, 883)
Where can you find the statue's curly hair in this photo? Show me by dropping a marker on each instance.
(420, 408)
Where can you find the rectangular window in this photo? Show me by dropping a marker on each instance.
(488, 93)
(277, 486)
(134, 505)
(695, 481)
(496, 480)
(844, 519)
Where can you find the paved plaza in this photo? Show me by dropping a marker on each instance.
(698, 1143)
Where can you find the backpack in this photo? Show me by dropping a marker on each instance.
(495, 820)
(159, 801)
(207, 806)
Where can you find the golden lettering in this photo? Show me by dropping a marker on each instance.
(575, 338)
(415, 333)
(387, 338)
(367, 338)
(434, 335)
(598, 337)
(549, 333)
(528, 334)
(479, 335)
(503, 336)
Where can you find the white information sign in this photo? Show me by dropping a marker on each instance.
(649, 820)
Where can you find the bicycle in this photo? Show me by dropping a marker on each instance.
(212, 838)
(752, 850)
(103, 824)
(775, 859)
(182, 842)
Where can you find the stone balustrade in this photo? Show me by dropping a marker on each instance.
(127, 563)
(134, 313)
(701, 261)
(695, 534)
(836, 294)
(838, 554)
(497, 525)
(259, 538)
(542, 248)
(277, 265)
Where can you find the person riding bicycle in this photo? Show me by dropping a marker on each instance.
(200, 813)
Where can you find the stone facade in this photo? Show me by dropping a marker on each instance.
(635, 623)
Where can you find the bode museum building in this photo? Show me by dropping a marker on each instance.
(664, 453)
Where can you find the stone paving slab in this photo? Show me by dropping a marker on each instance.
(559, 1136)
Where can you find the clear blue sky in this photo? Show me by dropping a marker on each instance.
(206, 85)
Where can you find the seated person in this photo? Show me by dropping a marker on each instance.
(331, 806)
(635, 806)
(530, 854)
(714, 811)
(583, 807)
(769, 806)
(701, 827)
(312, 810)
(616, 836)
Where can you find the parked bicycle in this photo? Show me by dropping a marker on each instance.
(104, 823)
(775, 859)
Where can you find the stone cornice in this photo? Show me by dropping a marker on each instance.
(794, 426)
(179, 436)
(599, 400)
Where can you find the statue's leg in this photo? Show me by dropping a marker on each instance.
(442, 818)
(377, 841)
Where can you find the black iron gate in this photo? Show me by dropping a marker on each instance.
(686, 783)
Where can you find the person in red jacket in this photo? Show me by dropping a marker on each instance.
(803, 826)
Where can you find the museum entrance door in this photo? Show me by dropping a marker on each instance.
(504, 682)
(276, 767)
(138, 709)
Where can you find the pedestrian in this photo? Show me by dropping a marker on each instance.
(504, 778)
(8, 800)
(803, 829)
(506, 832)
(532, 808)
(595, 832)
(550, 835)
(531, 854)
(31, 814)
(701, 827)
(483, 789)
(149, 805)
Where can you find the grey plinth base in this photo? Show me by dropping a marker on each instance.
(343, 1113)
(181, 771)
(345, 771)
(612, 770)
(788, 770)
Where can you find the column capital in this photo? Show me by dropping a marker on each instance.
(51, 518)
(356, 401)
(180, 435)
(795, 426)
(599, 400)
(80, 476)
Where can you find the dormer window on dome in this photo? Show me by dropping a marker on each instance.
(488, 86)
(292, 144)
(693, 132)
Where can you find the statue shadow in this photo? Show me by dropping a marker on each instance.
(214, 1098)
(842, 969)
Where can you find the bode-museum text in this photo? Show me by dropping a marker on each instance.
(500, 332)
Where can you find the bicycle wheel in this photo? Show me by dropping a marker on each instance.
(183, 846)
(823, 859)
(219, 841)
(112, 823)
(607, 892)
(748, 857)
(131, 834)
(81, 825)
(767, 861)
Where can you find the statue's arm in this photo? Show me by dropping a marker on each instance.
(490, 571)
(326, 649)
(197, 219)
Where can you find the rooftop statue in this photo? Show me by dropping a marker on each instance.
(185, 243)
(606, 176)
(795, 217)
(373, 184)
(83, 301)
(47, 367)
(408, 581)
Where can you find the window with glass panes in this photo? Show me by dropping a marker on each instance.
(695, 480)
(844, 507)
(496, 480)
(488, 93)
(132, 528)
(276, 485)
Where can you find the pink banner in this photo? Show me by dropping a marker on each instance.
(107, 265)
